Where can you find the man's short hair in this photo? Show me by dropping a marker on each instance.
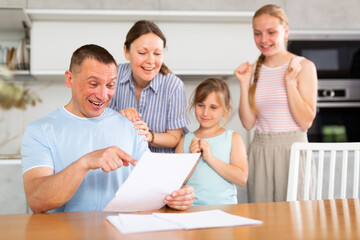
(90, 51)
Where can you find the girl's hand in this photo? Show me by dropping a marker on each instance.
(195, 146)
(292, 71)
(145, 129)
(131, 114)
(206, 150)
(243, 73)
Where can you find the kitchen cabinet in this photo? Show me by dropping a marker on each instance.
(12, 21)
(323, 14)
(215, 50)
(216, 5)
(94, 4)
(316, 15)
(12, 195)
(12, 3)
(191, 35)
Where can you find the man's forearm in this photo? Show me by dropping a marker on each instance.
(46, 191)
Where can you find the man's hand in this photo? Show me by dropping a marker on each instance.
(108, 159)
(181, 199)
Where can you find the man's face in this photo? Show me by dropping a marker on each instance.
(92, 86)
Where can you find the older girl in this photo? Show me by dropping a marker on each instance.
(281, 100)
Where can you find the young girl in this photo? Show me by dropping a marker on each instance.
(281, 100)
(223, 161)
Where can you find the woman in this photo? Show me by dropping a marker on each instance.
(146, 88)
(281, 100)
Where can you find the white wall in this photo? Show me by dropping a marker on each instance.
(13, 122)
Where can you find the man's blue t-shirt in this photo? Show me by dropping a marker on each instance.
(60, 138)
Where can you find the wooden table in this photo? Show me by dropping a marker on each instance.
(325, 219)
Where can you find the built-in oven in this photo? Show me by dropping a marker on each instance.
(338, 68)
(338, 112)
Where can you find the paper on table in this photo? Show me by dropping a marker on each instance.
(130, 223)
(206, 219)
(155, 176)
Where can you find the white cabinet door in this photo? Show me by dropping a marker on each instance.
(95, 4)
(216, 5)
(52, 43)
(193, 48)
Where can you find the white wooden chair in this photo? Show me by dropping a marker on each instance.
(321, 152)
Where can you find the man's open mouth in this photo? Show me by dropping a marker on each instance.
(97, 104)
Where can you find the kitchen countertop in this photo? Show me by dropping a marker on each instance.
(10, 156)
(10, 159)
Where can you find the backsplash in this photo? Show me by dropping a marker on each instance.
(13, 122)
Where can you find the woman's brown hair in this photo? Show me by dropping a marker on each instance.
(275, 11)
(144, 27)
(208, 86)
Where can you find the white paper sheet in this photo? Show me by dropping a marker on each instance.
(155, 176)
(131, 223)
(206, 219)
(145, 223)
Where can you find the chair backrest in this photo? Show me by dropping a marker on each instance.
(324, 154)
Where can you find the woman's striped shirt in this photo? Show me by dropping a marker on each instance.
(162, 103)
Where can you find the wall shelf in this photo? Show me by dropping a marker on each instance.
(49, 75)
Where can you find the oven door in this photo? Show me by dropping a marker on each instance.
(334, 59)
(336, 122)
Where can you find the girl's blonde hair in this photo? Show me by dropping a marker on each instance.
(208, 86)
(275, 11)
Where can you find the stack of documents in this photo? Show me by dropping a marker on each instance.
(131, 223)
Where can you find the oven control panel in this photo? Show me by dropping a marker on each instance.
(328, 93)
(339, 90)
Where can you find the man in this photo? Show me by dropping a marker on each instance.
(76, 158)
